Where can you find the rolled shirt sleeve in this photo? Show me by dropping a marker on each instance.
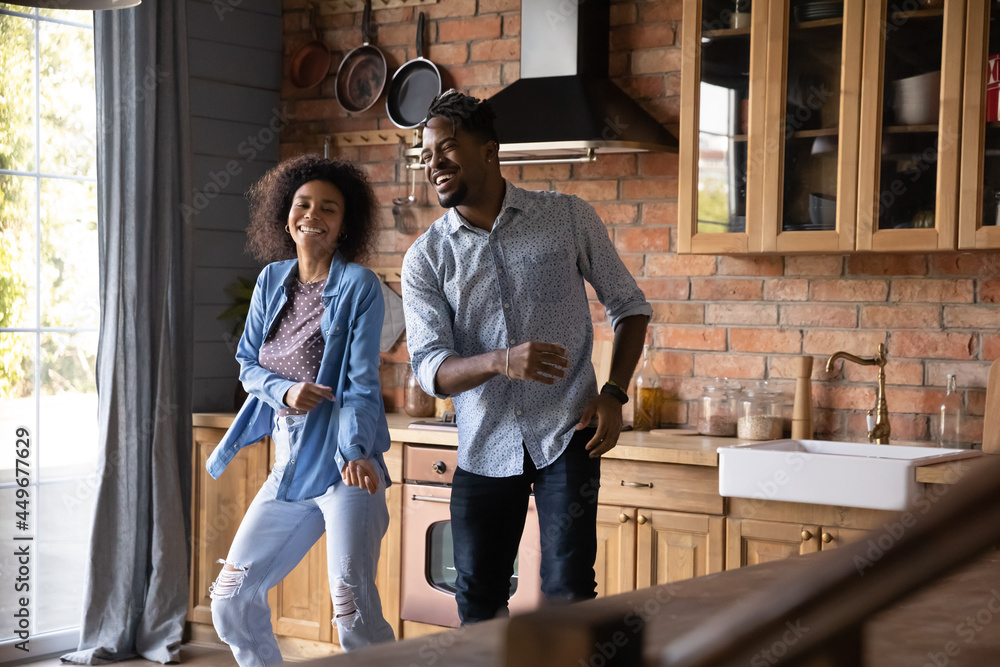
(429, 335)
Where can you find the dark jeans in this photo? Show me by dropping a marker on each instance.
(487, 519)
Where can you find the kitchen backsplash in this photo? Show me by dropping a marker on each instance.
(745, 318)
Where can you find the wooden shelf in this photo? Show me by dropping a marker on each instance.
(726, 32)
(901, 17)
(821, 23)
(910, 129)
(811, 134)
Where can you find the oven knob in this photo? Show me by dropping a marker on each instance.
(439, 467)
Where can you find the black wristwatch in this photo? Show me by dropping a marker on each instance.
(612, 389)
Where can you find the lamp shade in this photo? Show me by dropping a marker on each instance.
(85, 5)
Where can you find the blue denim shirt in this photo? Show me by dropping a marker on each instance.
(351, 427)
(467, 291)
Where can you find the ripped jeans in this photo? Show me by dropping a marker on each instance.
(275, 535)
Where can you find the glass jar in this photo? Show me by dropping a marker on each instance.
(648, 395)
(759, 415)
(717, 408)
(416, 403)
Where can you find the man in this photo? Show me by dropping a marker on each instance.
(497, 317)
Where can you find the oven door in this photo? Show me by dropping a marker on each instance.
(428, 568)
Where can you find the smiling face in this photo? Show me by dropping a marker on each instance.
(316, 218)
(455, 163)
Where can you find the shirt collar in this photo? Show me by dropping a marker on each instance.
(514, 198)
(332, 286)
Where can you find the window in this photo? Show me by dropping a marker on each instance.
(49, 317)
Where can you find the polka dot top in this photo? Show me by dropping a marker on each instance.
(295, 349)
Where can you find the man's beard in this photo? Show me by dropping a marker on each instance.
(455, 198)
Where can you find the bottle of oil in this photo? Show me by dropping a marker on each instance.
(950, 422)
(648, 395)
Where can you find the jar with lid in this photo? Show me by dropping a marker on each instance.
(416, 402)
(759, 415)
(717, 408)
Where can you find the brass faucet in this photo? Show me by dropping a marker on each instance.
(880, 433)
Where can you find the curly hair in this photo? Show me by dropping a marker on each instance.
(474, 115)
(271, 199)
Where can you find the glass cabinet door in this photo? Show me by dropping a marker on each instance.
(812, 123)
(722, 106)
(911, 112)
(979, 214)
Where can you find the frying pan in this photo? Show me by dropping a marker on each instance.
(414, 86)
(311, 62)
(361, 75)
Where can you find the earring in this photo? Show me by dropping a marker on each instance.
(287, 229)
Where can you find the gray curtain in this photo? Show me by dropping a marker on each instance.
(137, 584)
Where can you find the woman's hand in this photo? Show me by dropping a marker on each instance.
(307, 395)
(361, 473)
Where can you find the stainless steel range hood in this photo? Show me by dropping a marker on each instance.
(565, 107)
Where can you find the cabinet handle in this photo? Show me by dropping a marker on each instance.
(431, 499)
(827, 537)
(806, 536)
(440, 467)
(640, 520)
(623, 518)
(637, 485)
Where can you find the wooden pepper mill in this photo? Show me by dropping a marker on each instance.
(802, 426)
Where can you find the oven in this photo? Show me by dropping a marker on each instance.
(427, 587)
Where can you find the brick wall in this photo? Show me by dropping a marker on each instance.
(741, 317)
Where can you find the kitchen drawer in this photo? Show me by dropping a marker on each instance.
(665, 486)
(423, 463)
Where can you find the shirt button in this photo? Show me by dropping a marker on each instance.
(506, 305)
(499, 271)
(292, 461)
(511, 341)
(518, 413)
(337, 328)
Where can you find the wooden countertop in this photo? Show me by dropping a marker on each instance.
(660, 447)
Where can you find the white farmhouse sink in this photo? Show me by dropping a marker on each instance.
(848, 474)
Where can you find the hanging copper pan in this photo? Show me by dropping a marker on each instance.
(311, 62)
(362, 72)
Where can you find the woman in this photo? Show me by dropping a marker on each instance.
(309, 360)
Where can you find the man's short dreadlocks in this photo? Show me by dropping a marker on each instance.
(471, 114)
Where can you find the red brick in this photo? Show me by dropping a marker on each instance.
(741, 313)
(898, 372)
(492, 6)
(726, 289)
(886, 264)
(750, 266)
(622, 14)
(497, 49)
(680, 265)
(787, 367)
(633, 263)
(858, 343)
(450, 9)
(465, 30)
(968, 374)
(929, 290)
(545, 172)
(782, 341)
(849, 290)
(617, 64)
(394, 35)
(466, 76)
(916, 400)
(643, 36)
(650, 188)
(742, 366)
(808, 315)
(975, 402)
(607, 166)
(900, 317)
(677, 364)
(931, 345)
(512, 25)
(647, 86)
(691, 338)
(662, 10)
(965, 264)
(844, 396)
(617, 214)
(658, 164)
(662, 213)
(591, 191)
(448, 54)
(511, 73)
(643, 239)
(380, 172)
(814, 265)
(967, 317)
(678, 313)
(991, 347)
(786, 289)
(989, 291)
(597, 312)
(649, 61)
(666, 289)
(672, 84)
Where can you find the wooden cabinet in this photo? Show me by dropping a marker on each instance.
(832, 128)
(752, 542)
(647, 541)
(301, 608)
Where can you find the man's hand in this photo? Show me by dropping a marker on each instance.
(541, 362)
(307, 395)
(609, 423)
(361, 473)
